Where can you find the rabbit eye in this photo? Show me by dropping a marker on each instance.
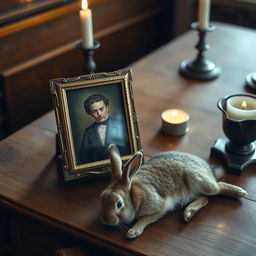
(119, 204)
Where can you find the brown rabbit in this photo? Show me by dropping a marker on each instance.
(146, 193)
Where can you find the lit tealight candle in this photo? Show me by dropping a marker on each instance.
(175, 122)
(86, 25)
(204, 13)
(241, 107)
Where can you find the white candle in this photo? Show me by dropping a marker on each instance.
(203, 13)
(174, 121)
(86, 25)
(241, 107)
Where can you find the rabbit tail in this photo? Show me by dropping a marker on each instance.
(218, 171)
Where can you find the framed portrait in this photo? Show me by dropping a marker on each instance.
(92, 112)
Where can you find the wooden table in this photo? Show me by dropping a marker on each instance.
(29, 172)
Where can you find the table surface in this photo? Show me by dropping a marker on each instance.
(30, 174)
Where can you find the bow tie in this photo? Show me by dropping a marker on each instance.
(101, 123)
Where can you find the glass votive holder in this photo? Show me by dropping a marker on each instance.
(239, 125)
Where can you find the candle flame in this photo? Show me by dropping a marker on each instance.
(244, 104)
(174, 113)
(84, 4)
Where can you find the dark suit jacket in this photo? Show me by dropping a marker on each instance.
(91, 149)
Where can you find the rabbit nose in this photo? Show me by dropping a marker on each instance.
(105, 221)
(110, 221)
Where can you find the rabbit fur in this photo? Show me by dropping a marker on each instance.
(146, 193)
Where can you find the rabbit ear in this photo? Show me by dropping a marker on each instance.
(116, 161)
(131, 167)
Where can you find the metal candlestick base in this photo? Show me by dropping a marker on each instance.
(236, 163)
(251, 80)
(89, 63)
(200, 68)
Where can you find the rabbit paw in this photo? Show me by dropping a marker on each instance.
(134, 232)
(241, 192)
(188, 214)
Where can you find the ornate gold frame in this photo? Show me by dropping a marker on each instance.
(59, 88)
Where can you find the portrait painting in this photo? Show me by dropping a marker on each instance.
(92, 112)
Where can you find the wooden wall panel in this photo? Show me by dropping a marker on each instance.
(36, 40)
(127, 45)
(27, 88)
(238, 12)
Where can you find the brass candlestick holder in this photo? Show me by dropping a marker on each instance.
(200, 68)
(89, 63)
(237, 151)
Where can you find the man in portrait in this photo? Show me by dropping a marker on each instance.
(102, 132)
